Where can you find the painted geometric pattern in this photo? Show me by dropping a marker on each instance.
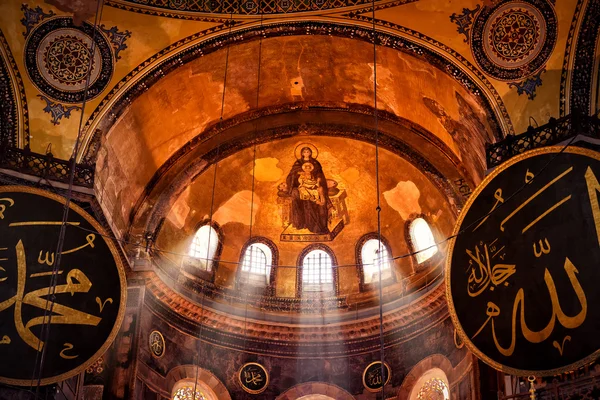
(514, 35)
(14, 114)
(63, 59)
(8, 107)
(248, 7)
(514, 39)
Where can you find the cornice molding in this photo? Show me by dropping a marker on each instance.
(279, 339)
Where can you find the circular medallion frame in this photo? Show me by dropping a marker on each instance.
(154, 338)
(389, 376)
(121, 276)
(260, 367)
(451, 247)
(57, 60)
(514, 38)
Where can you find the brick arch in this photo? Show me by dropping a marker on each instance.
(193, 372)
(438, 361)
(326, 389)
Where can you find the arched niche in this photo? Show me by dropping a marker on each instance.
(433, 384)
(190, 389)
(315, 391)
(434, 366)
(206, 380)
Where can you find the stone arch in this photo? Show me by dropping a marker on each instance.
(142, 78)
(315, 388)
(435, 361)
(193, 372)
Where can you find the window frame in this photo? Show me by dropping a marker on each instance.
(300, 269)
(198, 272)
(274, 262)
(359, 262)
(435, 258)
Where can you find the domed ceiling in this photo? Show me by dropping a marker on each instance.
(198, 111)
(176, 87)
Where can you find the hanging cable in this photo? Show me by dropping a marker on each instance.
(378, 209)
(253, 181)
(210, 260)
(51, 299)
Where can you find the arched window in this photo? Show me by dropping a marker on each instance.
(256, 264)
(375, 255)
(317, 271)
(422, 238)
(204, 247)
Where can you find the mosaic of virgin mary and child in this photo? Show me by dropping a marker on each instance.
(306, 194)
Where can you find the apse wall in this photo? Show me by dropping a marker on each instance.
(310, 70)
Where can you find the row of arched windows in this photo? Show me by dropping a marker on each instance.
(317, 262)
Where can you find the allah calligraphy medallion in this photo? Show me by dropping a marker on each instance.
(514, 39)
(522, 275)
(156, 341)
(89, 293)
(253, 377)
(372, 379)
(59, 59)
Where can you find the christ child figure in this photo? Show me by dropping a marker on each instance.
(310, 188)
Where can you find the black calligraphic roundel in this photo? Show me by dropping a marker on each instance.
(523, 272)
(373, 380)
(90, 289)
(253, 377)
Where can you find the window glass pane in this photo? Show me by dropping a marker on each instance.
(256, 265)
(422, 238)
(317, 272)
(204, 246)
(374, 255)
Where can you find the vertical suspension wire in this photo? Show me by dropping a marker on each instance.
(211, 259)
(51, 298)
(378, 209)
(254, 139)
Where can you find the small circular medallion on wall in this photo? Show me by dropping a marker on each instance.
(156, 342)
(58, 57)
(253, 377)
(514, 39)
(372, 379)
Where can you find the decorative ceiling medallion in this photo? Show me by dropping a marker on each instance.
(58, 57)
(253, 377)
(514, 39)
(372, 379)
(156, 342)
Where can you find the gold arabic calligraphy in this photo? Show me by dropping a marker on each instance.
(482, 273)
(76, 282)
(557, 313)
(253, 378)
